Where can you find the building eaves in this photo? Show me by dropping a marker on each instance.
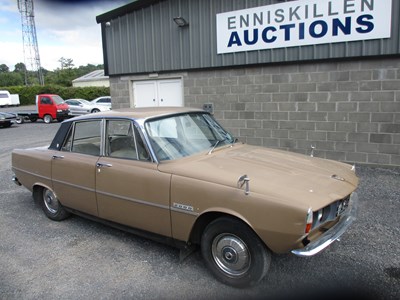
(123, 10)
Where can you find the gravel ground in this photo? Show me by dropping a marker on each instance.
(81, 259)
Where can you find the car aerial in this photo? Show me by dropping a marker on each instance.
(81, 107)
(7, 119)
(103, 100)
(175, 175)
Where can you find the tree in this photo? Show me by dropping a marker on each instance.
(20, 68)
(11, 79)
(4, 68)
(66, 63)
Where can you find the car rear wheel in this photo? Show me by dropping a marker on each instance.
(95, 110)
(234, 253)
(19, 120)
(48, 119)
(52, 207)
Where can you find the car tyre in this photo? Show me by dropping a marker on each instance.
(234, 253)
(19, 120)
(48, 119)
(52, 207)
(95, 110)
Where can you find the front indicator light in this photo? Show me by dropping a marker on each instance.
(309, 220)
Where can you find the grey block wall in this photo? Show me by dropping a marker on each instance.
(348, 110)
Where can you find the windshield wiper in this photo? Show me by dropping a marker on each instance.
(213, 147)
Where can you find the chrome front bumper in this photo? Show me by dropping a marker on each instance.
(333, 233)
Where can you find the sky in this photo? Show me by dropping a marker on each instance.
(64, 29)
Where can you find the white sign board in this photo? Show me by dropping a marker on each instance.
(303, 22)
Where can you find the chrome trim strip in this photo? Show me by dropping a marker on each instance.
(334, 233)
(31, 173)
(134, 200)
(74, 185)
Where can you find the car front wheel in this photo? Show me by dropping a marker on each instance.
(234, 253)
(48, 119)
(52, 207)
(95, 110)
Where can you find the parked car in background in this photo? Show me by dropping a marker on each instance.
(175, 175)
(7, 119)
(81, 107)
(103, 100)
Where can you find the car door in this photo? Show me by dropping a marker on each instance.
(130, 189)
(45, 106)
(76, 107)
(74, 167)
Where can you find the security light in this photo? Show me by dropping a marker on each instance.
(181, 22)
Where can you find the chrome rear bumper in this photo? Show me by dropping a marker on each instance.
(333, 233)
(15, 180)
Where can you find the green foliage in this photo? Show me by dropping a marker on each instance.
(62, 77)
(11, 78)
(57, 82)
(27, 94)
(4, 68)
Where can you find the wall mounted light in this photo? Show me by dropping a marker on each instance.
(181, 22)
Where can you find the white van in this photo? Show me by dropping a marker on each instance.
(7, 99)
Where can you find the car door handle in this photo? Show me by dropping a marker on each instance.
(58, 156)
(101, 165)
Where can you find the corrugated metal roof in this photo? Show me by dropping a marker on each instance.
(92, 76)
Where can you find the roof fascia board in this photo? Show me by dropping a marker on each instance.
(123, 10)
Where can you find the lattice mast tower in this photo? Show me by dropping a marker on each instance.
(29, 40)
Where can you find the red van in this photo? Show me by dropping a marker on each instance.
(48, 107)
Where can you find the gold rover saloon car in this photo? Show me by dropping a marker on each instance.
(174, 174)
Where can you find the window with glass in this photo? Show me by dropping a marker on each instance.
(84, 137)
(124, 141)
(178, 136)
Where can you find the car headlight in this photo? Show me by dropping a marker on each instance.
(328, 213)
(59, 110)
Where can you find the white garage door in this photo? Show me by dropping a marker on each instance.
(158, 93)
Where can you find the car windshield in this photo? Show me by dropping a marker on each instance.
(178, 136)
(85, 102)
(57, 99)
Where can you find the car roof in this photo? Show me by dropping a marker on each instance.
(140, 113)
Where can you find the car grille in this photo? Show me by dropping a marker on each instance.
(330, 212)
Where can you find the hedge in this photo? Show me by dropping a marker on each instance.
(27, 94)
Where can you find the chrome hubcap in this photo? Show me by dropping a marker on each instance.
(51, 201)
(231, 254)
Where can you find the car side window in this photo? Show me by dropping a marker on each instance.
(124, 141)
(76, 103)
(45, 100)
(104, 100)
(85, 138)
